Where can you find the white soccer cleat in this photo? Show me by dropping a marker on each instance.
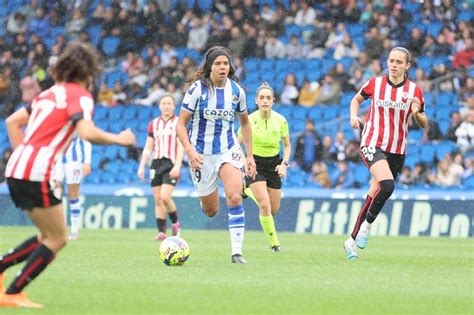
(363, 235)
(351, 249)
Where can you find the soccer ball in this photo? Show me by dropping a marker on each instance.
(174, 251)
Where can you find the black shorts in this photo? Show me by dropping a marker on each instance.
(370, 155)
(160, 172)
(266, 172)
(28, 195)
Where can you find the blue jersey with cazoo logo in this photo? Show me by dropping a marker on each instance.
(213, 115)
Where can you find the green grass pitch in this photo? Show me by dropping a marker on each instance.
(119, 272)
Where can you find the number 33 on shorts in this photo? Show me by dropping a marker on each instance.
(368, 153)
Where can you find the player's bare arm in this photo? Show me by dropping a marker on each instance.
(420, 118)
(250, 167)
(15, 123)
(176, 170)
(195, 159)
(88, 131)
(145, 156)
(281, 169)
(355, 105)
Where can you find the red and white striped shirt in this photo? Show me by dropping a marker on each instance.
(387, 122)
(51, 127)
(165, 140)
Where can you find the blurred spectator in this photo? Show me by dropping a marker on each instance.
(446, 176)
(339, 147)
(239, 66)
(29, 89)
(320, 175)
(352, 151)
(330, 91)
(180, 37)
(352, 11)
(289, 93)
(374, 69)
(455, 123)
(5, 82)
(318, 38)
(464, 57)
(340, 76)
(16, 23)
(39, 24)
(327, 153)
(76, 24)
(360, 63)
(308, 147)
(416, 41)
(3, 164)
(423, 175)
(357, 80)
(198, 35)
(305, 15)
(429, 47)
(431, 132)
(291, 14)
(465, 133)
(267, 12)
(119, 97)
(105, 95)
(154, 95)
(344, 177)
(442, 47)
(166, 55)
(237, 42)
(20, 48)
(176, 93)
(336, 36)
(422, 80)
(274, 48)
(294, 50)
(373, 43)
(346, 48)
(405, 177)
(468, 169)
(309, 93)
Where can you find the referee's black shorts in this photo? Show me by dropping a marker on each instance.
(266, 171)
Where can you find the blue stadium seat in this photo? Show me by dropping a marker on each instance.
(415, 135)
(444, 125)
(360, 172)
(465, 15)
(94, 34)
(110, 45)
(442, 113)
(427, 152)
(434, 29)
(444, 148)
(330, 112)
(468, 183)
(444, 99)
(424, 63)
(251, 64)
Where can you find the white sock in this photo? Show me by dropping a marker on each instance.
(75, 208)
(236, 228)
(365, 226)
